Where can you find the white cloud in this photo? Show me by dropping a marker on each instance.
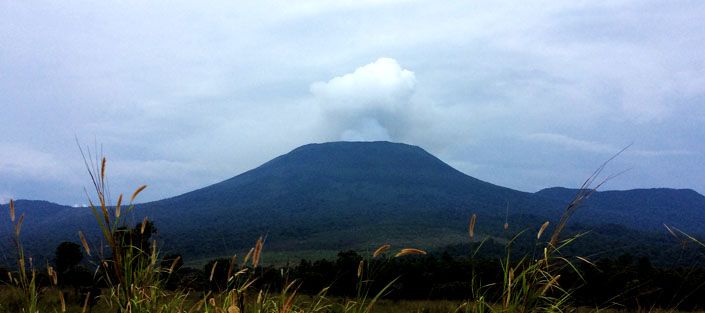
(370, 103)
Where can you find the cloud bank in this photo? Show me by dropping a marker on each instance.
(526, 94)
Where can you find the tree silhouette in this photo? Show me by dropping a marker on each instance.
(68, 254)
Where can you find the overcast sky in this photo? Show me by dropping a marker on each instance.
(180, 95)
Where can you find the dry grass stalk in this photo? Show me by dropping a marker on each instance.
(19, 225)
(134, 195)
(550, 283)
(102, 170)
(409, 251)
(144, 224)
(232, 264)
(258, 251)
(240, 272)
(359, 268)
(213, 271)
(472, 226)
(674, 234)
(248, 285)
(247, 257)
(380, 250)
(85, 302)
(173, 264)
(12, 210)
(586, 261)
(543, 227)
(63, 302)
(117, 207)
(85, 244)
(584, 192)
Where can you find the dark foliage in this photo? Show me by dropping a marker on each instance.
(67, 255)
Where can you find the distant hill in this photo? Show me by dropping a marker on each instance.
(640, 209)
(321, 198)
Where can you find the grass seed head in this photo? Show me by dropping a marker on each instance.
(19, 225)
(380, 250)
(102, 170)
(472, 226)
(85, 244)
(117, 207)
(144, 224)
(247, 257)
(232, 264)
(258, 251)
(543, 227)
(409, 251)
(134, 195)
(213, 271)
(12, 210)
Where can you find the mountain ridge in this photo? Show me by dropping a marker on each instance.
(340, 195)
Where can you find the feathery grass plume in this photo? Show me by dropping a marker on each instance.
(472, 226)
(232, 265)
(85, 244)
(134, 195)
(409, 251)
(249, 254)
(506, 225)
(117, 207)
(19, 225)
(359, 268)
(12, 210)
(102, 170)
(380, 250)
(213, 271)
(543, 227)
(144, 224)
(211, 301)
(258, 250)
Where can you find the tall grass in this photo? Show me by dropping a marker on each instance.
(132, 271)
(25, 287)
